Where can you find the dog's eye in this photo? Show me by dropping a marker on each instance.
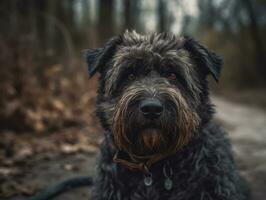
(171, 76)
(131, 77)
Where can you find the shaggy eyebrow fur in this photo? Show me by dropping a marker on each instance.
(146, 50)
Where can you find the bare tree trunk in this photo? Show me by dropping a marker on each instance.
(105, 24)
(128, 23)
(255, 34)
(161, 13)
(132, 15)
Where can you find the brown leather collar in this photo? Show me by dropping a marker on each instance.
(134, 162)
(129, 161)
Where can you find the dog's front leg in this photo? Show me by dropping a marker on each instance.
(105, 184)
(216, 187)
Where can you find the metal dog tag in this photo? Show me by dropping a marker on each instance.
(148, 180)
(168, 184)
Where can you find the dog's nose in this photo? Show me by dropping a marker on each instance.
(151, 108)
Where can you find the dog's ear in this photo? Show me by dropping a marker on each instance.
(210, 62)
(97, 58)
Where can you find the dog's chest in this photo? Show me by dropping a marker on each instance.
(159, 185)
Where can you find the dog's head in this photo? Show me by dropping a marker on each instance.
(153, 92)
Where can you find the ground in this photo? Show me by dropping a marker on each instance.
(75, 155)
(247, 129)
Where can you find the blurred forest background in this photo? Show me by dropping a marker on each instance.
(46, 99)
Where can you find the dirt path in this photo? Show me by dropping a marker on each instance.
(247, 130)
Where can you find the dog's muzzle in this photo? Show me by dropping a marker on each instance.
(152, 122)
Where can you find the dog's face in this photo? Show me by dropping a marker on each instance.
(153, 91)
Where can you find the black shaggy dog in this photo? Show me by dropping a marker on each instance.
(160, 141)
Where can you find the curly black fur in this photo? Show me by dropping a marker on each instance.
(204, 168)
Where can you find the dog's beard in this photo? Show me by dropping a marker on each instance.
(149, 141)
(173, 130)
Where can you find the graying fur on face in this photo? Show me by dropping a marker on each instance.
(147, 49)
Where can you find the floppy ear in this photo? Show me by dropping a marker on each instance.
(97, 58)
(208, 60)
